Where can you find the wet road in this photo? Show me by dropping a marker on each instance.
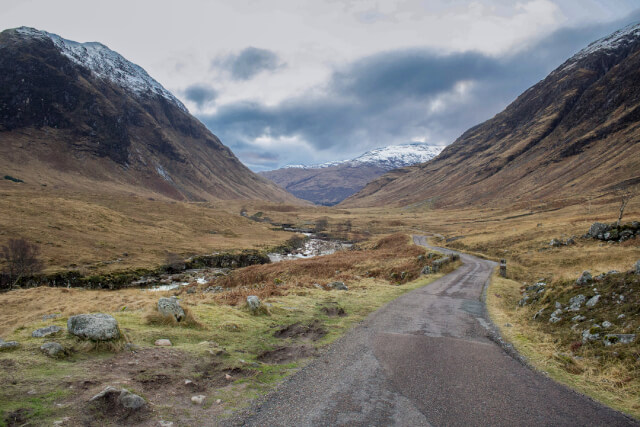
(426, 359)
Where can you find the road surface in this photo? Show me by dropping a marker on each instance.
(426, 359)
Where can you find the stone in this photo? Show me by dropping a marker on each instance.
(95, 327)
(578, 318)
(52, 349)
(622, 316)
(8, 345)
(50, 316)
(162, 423)
(576, 302)
(163, 343)
(584, 279)
(191, 290)
(538, 313)
(214, 289)
(338, 285)
(426, 270)
(109, 391)
(591, 334)
(606, 324)
(170, 307)
(555, 316)
(130, 400)
(593, 301)
(228, 377)
(598, 229)
(610, 339)
(253, 302)
(638, 267)
(570, 241)
(555, 243)
(199, 399)
(558, 306)
(317, 286)
(46, 332)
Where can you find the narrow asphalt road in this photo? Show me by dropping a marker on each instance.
(426, 359)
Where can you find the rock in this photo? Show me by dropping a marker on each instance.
(593, 301)
(46, 332)
(555, 243)
(130, 400)
(218, 401)
(622, 316)
(570, 241)
(52, 349)
(610, 339)
(62, 421)
(8, 345)
(163, 343)
(578, 318)
(198, 400)
(109, 391)
(591, 334)
(50, 316)
(214, 289)
(606, 324)
(191, 290)
(170, 307)
(317, 286)
(538, 313)
(598, 229)
(162, 423)
(95, 327)
(584, 279)
(228, 377)
(338, 285)
(537, 287)
(426, 270)
(555, 316)
(253, 302)
(558, 306)
(576, 302)
(638, 267)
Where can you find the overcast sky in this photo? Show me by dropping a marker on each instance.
(295, 81)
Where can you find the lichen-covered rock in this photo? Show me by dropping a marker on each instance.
(52, 349)
(584, 279)
(253, 302)
(338, 285)
(555, 316)
(610, 339)
(8, 345)
(46, 332)
(591, 334)
(576, 302)
(593, 301)
(170, 307)
(95, 327)
(597, 230)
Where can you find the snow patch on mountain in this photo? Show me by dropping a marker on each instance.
(391, 157)
(106, 64)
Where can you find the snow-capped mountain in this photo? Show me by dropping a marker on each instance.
(329, 183)
(388, 158)
(104, 63)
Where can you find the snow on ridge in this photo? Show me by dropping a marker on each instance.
(106, 64)
(391, 157)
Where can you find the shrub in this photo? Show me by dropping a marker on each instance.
(10, 178)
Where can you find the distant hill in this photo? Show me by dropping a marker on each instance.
(330, 183)
(79, 115)
(576, 132)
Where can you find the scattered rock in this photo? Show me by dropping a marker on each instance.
(427, 270)
(122, 397)
(50, 316)
(610, 339)
(555, 243)
(591, 334)
(8, 345)
(593, 301)
(198, 400)
(253, 302)
(555, 316)
(218, 401)
(538, 313)
(163, 343)
(598, 229)
(214, 289)
(53, 349)
(606, 324)
(584, 279)
(622, 316)
(170, 307)
(162, 423)
(46, 332)
(576, 302)
(228, 377)
(317, 286)
(95, 327)
(638, 267)
(578, 318)
(558, 306)
(338, 285)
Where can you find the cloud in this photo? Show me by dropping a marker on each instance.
(397, 96)
(200, 94)
(250, 62)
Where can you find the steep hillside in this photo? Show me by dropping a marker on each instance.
(330, 183)
(574, 133)
(80, 116)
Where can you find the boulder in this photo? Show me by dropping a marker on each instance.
(593, 301)
(170, 307)
(122, 397)
(253, 302)
(338, 285)
(52, 349)
(597, 230)
(8, 345)
(576, 302)
(591, 334)
(46, 332)
(584, 279)
(610, 339)
(95, 327)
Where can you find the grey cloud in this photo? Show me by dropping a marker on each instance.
(200, 94)
(250, 62)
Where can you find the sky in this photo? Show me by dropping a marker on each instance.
(309, 81)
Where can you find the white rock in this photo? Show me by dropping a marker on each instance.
(163, 343)
(199, 399)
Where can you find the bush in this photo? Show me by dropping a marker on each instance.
(10, 178)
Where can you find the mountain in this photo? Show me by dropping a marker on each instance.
(79, 115)
(330, 183)
(572, 134)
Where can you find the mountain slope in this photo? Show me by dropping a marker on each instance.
(576, 132)
(78, 115)
(330, 183)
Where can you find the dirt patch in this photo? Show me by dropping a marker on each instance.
(19, 417)
(311, 332)
(287, 354)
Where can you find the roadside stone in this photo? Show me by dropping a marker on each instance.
(199, 399)
(52, 349)
(95, 327)
(8, 345)
(593, 301)
(163, 343)
(338, 285)
(576, 302)
(46, 332)
(253, 302)
(170, 307)
(584, 279)
(611, 339)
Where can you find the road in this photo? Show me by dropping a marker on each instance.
(426, 359)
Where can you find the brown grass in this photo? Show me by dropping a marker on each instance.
(153, 317)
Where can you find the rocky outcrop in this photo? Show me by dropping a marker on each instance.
(613, 232)
(94, 327)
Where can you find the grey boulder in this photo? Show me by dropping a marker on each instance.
(584, 279)
(598, 229)
(8, 345)
(253, 302)
(170, 307)
(95, 327)
(46, 332)
(576, 302)
(338, 285)
(611, 339)
(52, 349)
(122, 397)
(593, 301)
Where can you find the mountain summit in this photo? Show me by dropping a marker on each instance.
(79, 115)
(330, 183)
(575, 133)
